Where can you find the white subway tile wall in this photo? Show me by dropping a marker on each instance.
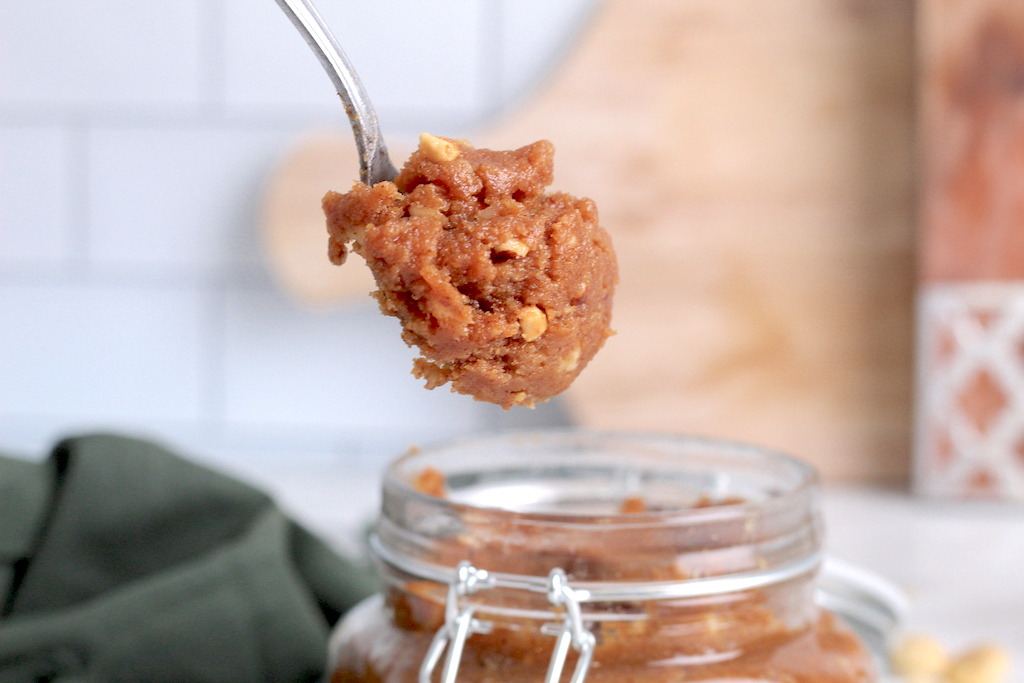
(194, 199)
(416, 58)
(96, 351)
(102, 54)
(359, 376)
(135, 140)
(34, 195)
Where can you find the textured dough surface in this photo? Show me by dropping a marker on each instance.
(505, 289)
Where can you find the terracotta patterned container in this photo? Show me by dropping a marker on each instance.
(970, 386)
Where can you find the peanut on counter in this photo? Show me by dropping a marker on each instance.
(920, 658)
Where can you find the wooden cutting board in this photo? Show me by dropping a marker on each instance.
(752, 161)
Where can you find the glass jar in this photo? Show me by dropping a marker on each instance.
(569, 555)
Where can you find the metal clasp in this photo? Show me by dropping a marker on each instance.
(570, 632)
(460, 623)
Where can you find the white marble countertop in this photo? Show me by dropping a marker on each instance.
(960, 563)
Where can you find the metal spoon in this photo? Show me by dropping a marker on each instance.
(374, 164)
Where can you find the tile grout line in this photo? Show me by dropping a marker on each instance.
(212, 389)
(29, 273)
(216, 117)
(492, 82)
(212, 50)
(76, 198)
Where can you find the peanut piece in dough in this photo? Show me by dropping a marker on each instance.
(438, 149)
(532, 323)
(513, 246)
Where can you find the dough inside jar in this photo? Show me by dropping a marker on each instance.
(505, 289)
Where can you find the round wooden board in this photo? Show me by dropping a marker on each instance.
(293, 228)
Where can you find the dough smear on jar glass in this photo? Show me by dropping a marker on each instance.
(505, 289)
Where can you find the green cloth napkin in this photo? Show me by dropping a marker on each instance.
(120, 561)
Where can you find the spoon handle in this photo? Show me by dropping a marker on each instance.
(374, 164)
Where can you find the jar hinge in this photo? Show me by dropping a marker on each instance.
(460, 624)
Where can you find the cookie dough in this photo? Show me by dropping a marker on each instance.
(505, 289)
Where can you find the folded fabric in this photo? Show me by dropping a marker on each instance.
(120, 561)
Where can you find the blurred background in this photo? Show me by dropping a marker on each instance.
(753, 162)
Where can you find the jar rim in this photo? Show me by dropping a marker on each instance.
(801, 477)
(760, 528)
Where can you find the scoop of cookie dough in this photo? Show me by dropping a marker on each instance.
(505, 289)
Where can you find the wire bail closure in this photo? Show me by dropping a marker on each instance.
(460, 624)
(570, 632)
